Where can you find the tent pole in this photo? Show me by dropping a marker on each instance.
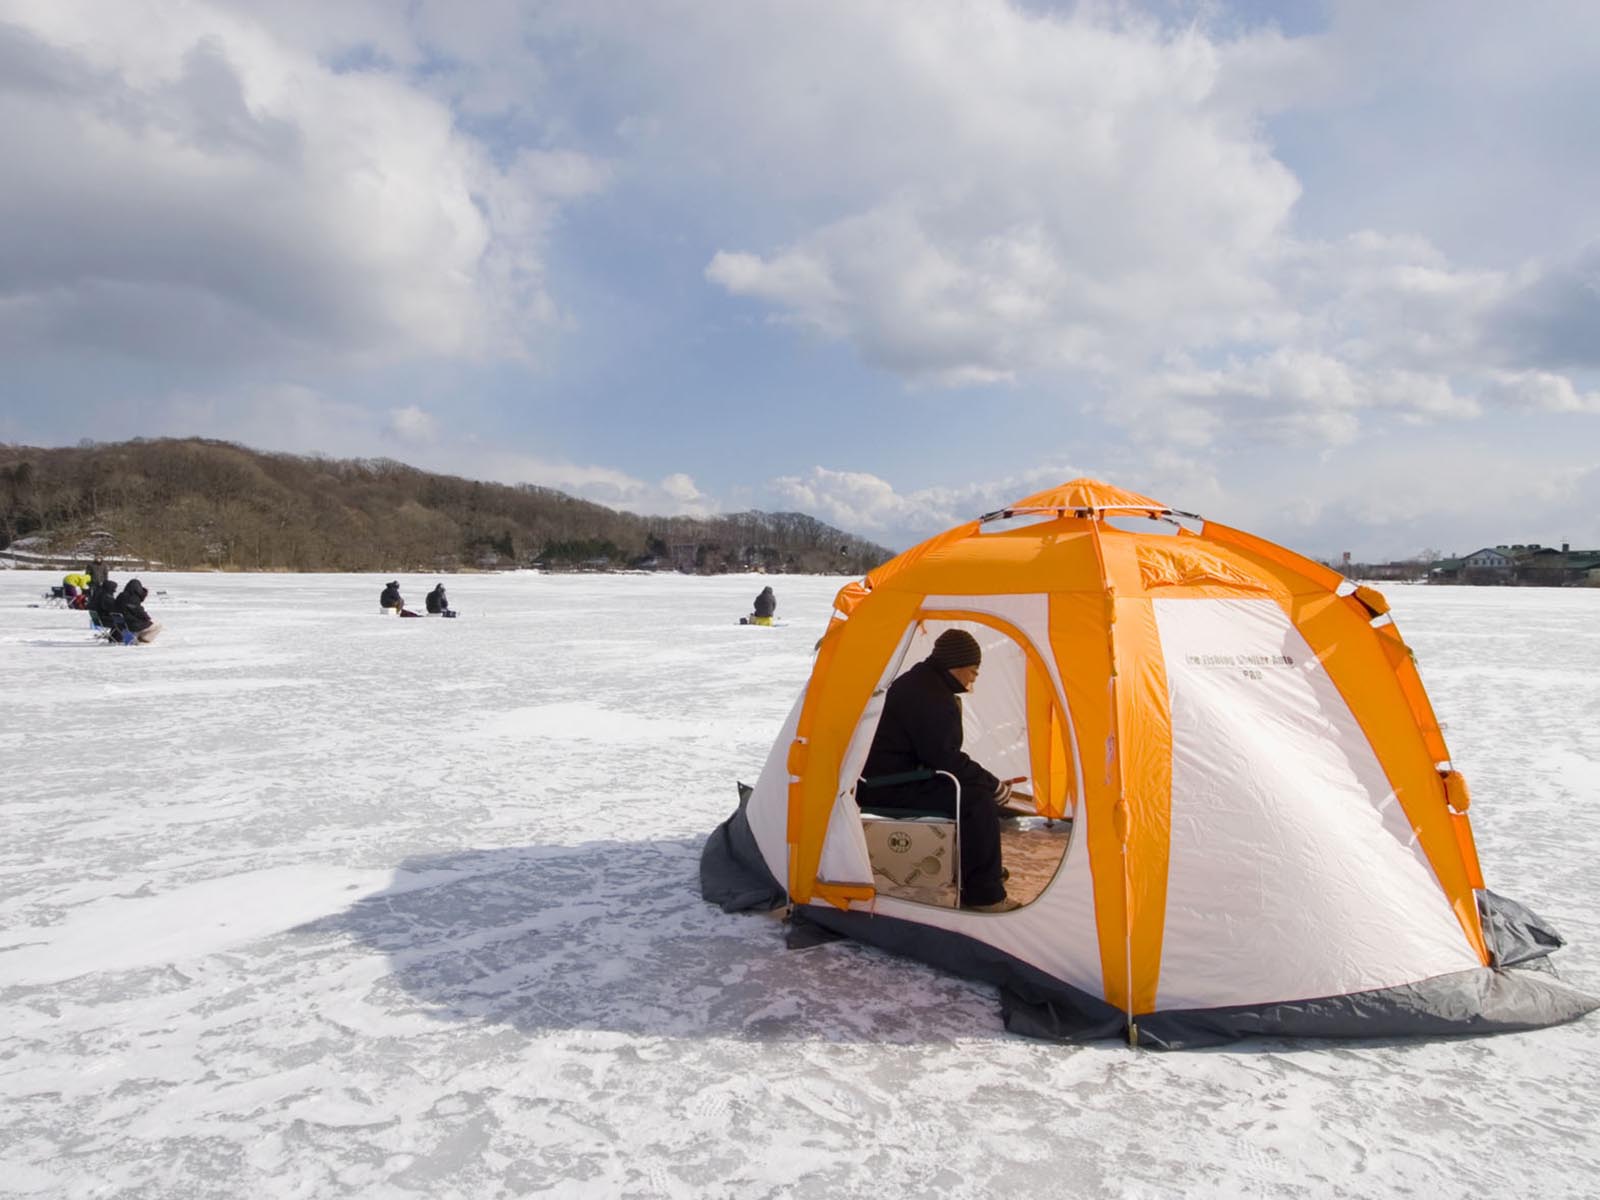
(1114, 763)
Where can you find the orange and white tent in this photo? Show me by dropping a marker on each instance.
(1267, 833)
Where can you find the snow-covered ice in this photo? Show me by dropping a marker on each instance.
(300, 900)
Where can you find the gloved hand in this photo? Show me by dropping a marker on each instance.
(1002, 793)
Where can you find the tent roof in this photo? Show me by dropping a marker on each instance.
(1089, 493)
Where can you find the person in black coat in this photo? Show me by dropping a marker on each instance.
(134, 618)
(920, 733)
(101, 601)
(766, 603)
(391, 595)
(437, 603)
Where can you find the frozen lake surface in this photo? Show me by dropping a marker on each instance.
(304, 901)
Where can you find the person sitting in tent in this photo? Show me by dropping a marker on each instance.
(102, 599)
(765, 606)
(438, 604)
(130, 607)
(919, 734)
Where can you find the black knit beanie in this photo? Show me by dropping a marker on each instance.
(955, 648)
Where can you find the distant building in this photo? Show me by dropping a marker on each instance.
(1529, 564)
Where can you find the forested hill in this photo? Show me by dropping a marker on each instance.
(189, 503)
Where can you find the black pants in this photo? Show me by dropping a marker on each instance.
(980, 829)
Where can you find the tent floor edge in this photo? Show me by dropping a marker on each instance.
(1472, 1002)
(1031, 1002)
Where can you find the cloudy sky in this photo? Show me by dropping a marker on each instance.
(1328, 271)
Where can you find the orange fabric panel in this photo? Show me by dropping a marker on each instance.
(1144, 750)
(841, 894)
(1300, 574)
(1083, 651)
(898, 565)
(1405, 668)
(850, 595)
(1187, 565)
(1087, 493)
(1048, 759)
(1469, 849)
(1373, 599)
(848, 666)
(1048, 558)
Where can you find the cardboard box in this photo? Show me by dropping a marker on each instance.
(913, 860)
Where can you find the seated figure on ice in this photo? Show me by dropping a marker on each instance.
(438, 603)
(391, 602)
(130, 607)
(766, 605)
(102, 600)
(919, 734)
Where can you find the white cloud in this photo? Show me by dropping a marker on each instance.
(999, 192)
(1369, 497)
(862, 503)
(413, 424)
(1005, 194)
(1541, 391)
(1291, 397)
(183, 184)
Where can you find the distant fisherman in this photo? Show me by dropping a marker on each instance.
(73, 586)
(130, 605)
(766, 605)
(391, 602)
(102, 601)
(437, 603)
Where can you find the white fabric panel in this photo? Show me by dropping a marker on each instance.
(844, 849)
(855, 755)
(1290, 877)
(1031, 615)
(768, 810)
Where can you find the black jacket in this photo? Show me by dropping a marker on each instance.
(131, 605)
(766, 603)
(436, 600)
(390, 597)
(102, 600)
(921, 728)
